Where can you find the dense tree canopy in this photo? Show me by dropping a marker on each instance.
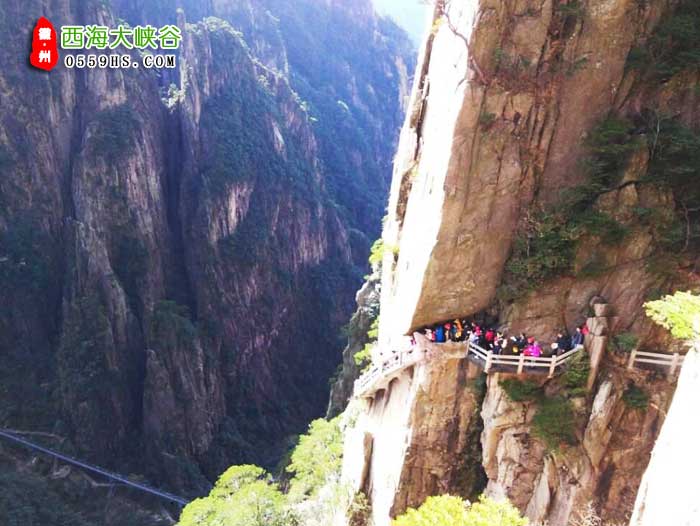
(317, 458)
(247, 495)
(446, 510)
(679, 313)
(243, 496)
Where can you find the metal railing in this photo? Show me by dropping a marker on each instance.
(672, 361)
(518, 363)
(378, 373)
(398, 361)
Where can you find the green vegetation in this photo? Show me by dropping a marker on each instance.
(114, 132)
(171, 325)
(599, 224)
(82, 366)
(243, 496)
(242, 147)
(373, 331)
(571, 8)
(31, 500)
(363, 358)
(509, 67)
(635, 397)
(376, 253)
(625, 341)
(547, 243)
(447, 510)
(545, 249)
(486, 119)
(675, 159)
(673, 47)
(679, 313)
(360, 510)
(317, 459)
(25, 258)
(378, 250)
(554, 422)
(26, 500)
(609, 147)
(521, 391)
(247, 495)
(576, 375)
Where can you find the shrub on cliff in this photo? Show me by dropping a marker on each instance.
(625, 341)
(114, 132)
(243, 496)
(576, 375)
(447, 510)
(363, 358)
(673, 47)
(317, 459)
(521, 391)
(678, 313)
(635, 397)
(554, 422)
(544, 249)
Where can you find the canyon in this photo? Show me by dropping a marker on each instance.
(179, 252)
(533, 142)
(167, 236)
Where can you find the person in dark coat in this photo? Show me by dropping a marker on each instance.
(563, 343)
(577, 338)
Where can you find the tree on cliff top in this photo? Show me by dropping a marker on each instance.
(668, 490)
(446, 510)
(679, 313)
(243, 496)
(317, 458)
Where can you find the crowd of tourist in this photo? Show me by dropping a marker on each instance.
(491, 339)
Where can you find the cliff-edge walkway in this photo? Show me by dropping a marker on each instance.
(380, 374)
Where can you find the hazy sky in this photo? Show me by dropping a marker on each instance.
(409, 14)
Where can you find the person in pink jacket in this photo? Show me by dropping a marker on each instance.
(533, 349)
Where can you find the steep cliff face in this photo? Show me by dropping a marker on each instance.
(531, 162)
(165, 241)
(498, 132)
(357, 330)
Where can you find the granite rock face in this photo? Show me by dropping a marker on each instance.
(165, 237)
(505, 100)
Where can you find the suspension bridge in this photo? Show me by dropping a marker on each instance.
(92, 468)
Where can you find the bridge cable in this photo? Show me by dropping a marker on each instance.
(95, 469)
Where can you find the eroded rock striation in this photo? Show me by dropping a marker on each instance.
(179, 249)
(529, 151)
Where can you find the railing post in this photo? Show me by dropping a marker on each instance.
(489, 359)
(521, 364)
(674, 364)
(552, 365)
(633, 355)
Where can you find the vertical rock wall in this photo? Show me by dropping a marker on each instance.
(505, 95)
